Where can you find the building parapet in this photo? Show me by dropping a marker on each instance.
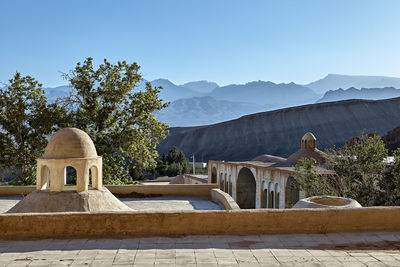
(225, 199)
(172, 223)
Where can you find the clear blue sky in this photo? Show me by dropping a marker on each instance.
(222, 41)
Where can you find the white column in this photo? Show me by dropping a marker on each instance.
(258, 188)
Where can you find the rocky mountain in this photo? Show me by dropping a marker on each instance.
(364, 93)
(336, 81)
(266, 93)
(205, 110)
(172, 92)
(279, 132)
(52, 93)
(201, 86)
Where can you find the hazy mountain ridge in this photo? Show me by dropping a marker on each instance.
(205, 110)
(52, 93)
(266, 93)
(363, 93)
(172, 92)
(201, 86)
(336, 81)
(262, 95)
(279, 132)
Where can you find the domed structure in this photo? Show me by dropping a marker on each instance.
(69, 147)
(70, 143)
(308, 150)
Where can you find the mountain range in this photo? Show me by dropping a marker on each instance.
(279, 132)
(363, 93)
(336, 81)
(203, 110)
(204, 102)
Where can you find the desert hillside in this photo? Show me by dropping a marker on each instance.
(279, 132)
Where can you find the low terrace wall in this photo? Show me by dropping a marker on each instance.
(237, 222)
(152, 189)
(225, 199)
(170, 189)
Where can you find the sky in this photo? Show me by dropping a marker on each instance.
(185, 40)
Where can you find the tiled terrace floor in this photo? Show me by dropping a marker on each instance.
(350, 249)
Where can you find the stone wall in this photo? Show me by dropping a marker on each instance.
(238, 222)
(225, 199)
(170, 189)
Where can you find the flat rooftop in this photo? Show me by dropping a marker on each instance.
(339, 249)
(149, 203)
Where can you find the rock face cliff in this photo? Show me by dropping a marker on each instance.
(279, 132)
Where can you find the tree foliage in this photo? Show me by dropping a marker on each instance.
(362, 173)
(26, 120)
(309, 181)
(103, 103)
(173, 164)
(361, 167)
(119, 120)
(390, 184)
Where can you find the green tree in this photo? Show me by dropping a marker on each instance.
(362, 173)
(309, 181)
(26, 120)
(175, 163)
(361, 167)
(119, 119)
(390, 184)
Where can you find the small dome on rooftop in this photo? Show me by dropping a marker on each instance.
(308, 136)
(70, 143)
(308, 141)
(308, 150)
(316, 154)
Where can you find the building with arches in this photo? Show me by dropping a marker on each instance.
(266, 181)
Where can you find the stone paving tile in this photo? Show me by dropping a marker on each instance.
(343, 249)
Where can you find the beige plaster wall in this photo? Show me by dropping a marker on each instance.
(225, 199)
(171, 189)
(190, 179)
(10, 190)
(240, 222)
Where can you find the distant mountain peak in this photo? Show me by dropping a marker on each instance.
(363, 93)
(201, 86)
(336, 81)
(162, 80)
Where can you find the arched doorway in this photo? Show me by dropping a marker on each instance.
(70, 175)
(246, 189)
(291, 192)
(94, 177)
(45, 177)
(214, 175)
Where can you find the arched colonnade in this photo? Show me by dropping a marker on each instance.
(255, 186)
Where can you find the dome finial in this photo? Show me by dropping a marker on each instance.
(308, 141)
